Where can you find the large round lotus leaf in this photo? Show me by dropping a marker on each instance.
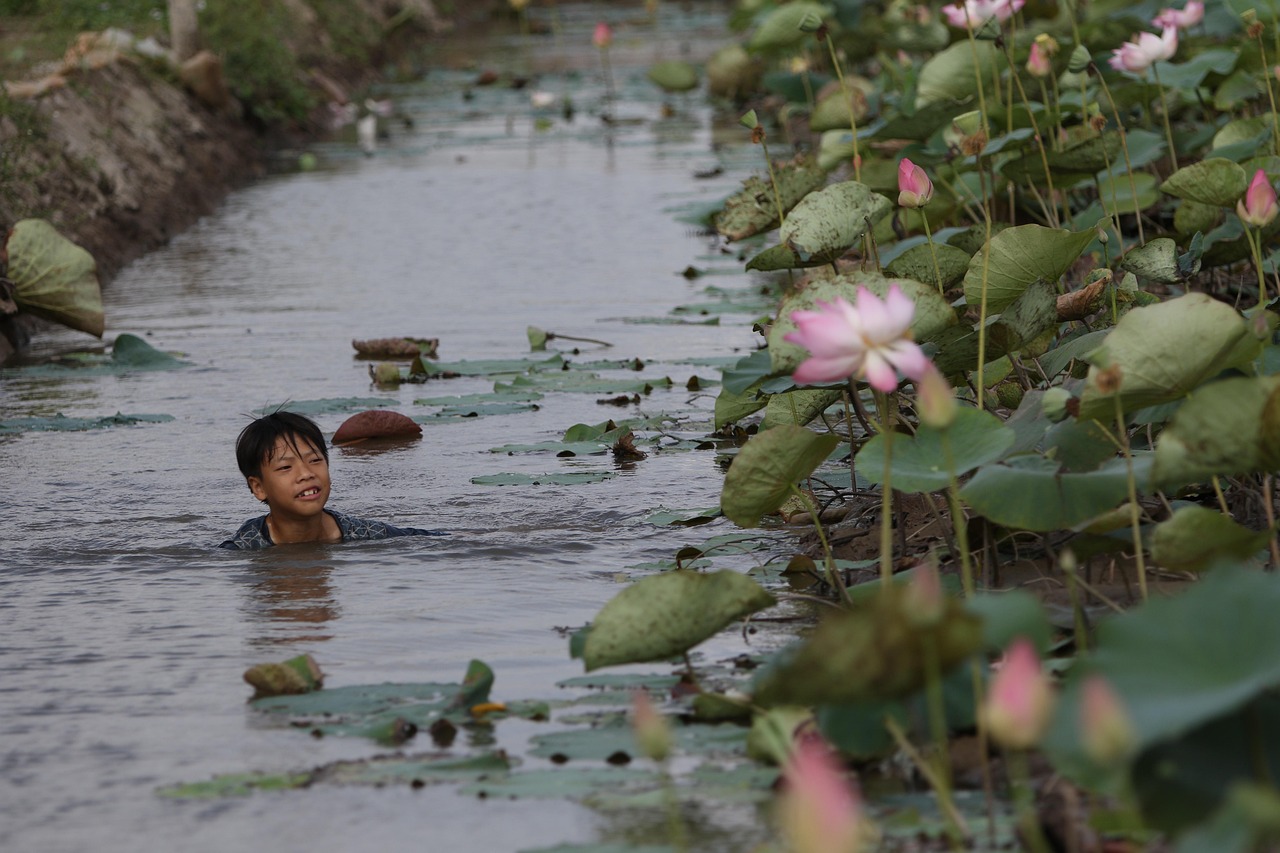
(918, 263)
(933, 313)
(920, 462)
(826, 223)
(1033, 313)
(732, 72)
(798, 406)
(877, 651)
(1165, 351)
(1158, 261)
(754, 210)
(780, 258)
(1017, 257)
(951, 75)
(1216, 181)
(1192, 216)
(1176, 664)
(1196, 536)
(732, 406)
(1241, 130)
(1030, 493)
(1077, 160)
(54, 278)
(1225, 428)
(767, 467)
(674, 75)
(662, 616)
(837, 110)
(780, 29)
(1125, 193)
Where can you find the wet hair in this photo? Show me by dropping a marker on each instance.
(257, 441)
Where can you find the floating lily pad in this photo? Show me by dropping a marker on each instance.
(582, 383)
(561, 478)
(573, 783)
(462, 400)
(62, 423)
(333, 405)
(684, 518)
(236, 785)
(478, 410)
(673, 75)
(617, 735)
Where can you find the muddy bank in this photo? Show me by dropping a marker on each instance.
(114, 150)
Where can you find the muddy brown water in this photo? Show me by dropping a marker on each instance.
(124, 632)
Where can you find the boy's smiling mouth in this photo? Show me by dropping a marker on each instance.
(311, 492)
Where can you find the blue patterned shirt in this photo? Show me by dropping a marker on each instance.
(253, 534)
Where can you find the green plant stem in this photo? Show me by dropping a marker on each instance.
(1024, 801)
(982, 311)
(886, 493)
(946, 803)
(1254, 236)
(833, 575)
(1124, 144)
(1222, 498)
(1271, 93)
(1135, 525)
(937, 708)
(773, 179)
(977, 76)
(984, 748)
(853, 121)
(959, 523)
(675, 823)
(933, 250)
(1164, 114)
(1035, 128)
(1269, 510)
(1077, 609)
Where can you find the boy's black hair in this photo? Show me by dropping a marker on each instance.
(257, 441)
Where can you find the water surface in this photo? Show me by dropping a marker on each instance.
(124, 632)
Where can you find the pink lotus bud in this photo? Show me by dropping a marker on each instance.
(935, 399)
(603, 35)
(1104, 724)
(1258, 207)
(653, 736)
(914, 187)
(819, 810)
(925, 599)
(1020, 700)
(1038, 64)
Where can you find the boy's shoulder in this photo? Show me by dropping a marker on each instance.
(251, 536)
(361, 529)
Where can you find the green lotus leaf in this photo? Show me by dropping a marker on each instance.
(951, 74)
(767, 467)
(1150, 348)
(798, 406)
(1034, 495)
(918, 263)
(54, 278)
(1158, 261)
(1019, 256)
(1196, 536)
(673, 75)
(920, 462)
(662, 616)
(780, 29)
(1228, 427)
(1215, 181)
(754, 209)
(826, 224)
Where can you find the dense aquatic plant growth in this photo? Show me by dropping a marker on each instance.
(1074, 365)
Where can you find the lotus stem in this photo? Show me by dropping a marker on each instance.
(982, 315)
(959, 523)
(1269, 510)
(833, 575)
(1134, 509)
(853, 121)
(1271, 93)
(556, 335)
(1168, 128)
(933, 250)
(1024, 801)
(886, 493)
(1124, 146)
(955, 821)
(1035, 128)
(1254, 236)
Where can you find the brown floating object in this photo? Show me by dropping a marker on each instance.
(376, 423)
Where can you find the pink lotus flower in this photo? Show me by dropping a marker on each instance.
(1104, 724)
(1258, 207)
(1038, 63)
(871, 341)
(1020, 699)
(1184, 19)
(935, 399)
(1145, 50)
(652, 733)
(914, 187)
(819, 810)
(603, 35)
(975, 13)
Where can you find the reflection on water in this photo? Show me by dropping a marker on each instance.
(124, 632)
(296, 603)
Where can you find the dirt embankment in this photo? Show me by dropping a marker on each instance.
(120, 156)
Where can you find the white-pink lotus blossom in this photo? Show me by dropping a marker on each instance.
(975, 13)
(870, 340)
(819, 809)
(1182, 19)
(1145, 50)
(1019, 699)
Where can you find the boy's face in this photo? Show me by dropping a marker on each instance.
(294, 480)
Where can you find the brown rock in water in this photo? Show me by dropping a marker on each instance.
(376, 423)
(202, 74)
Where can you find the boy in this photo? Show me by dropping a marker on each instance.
(286, 464)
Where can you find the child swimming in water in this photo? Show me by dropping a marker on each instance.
(285, 461)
